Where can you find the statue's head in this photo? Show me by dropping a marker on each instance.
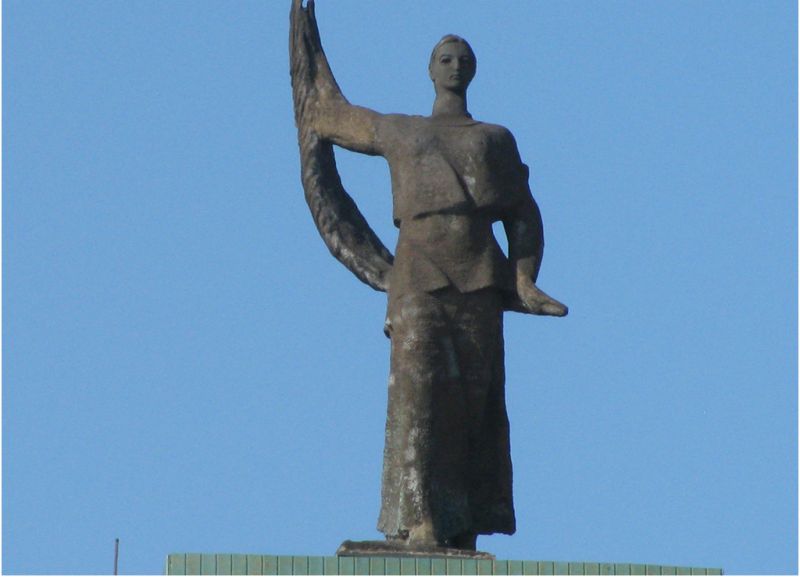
(453, 63)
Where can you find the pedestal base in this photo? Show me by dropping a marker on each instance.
(395, 549)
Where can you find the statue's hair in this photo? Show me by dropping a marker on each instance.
(448, 38)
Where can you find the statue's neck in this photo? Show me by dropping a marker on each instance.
(450, 104)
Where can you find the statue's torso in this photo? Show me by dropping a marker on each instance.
(450, 182)
(441, 165)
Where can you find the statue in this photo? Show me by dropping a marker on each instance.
(447, 466)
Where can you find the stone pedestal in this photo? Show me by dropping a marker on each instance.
(390, 549)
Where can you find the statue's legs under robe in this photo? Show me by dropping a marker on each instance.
(447, 463)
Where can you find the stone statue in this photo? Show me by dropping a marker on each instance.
(447, 465)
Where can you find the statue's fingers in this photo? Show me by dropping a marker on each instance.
(555, 309)
(552, 307)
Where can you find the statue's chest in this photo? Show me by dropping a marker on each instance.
(437, 167)
(467, 149)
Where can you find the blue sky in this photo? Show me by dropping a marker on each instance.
(187, 369)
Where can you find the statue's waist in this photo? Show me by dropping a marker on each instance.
(448, 250)
(455, 234)
(416, 201)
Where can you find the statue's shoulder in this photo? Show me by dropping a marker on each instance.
(403, 120)
(502, 142)
(497, 132)
(399, 126)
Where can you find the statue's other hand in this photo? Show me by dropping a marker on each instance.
(537, 302)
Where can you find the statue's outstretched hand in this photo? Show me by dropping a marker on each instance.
(536, 302)
(304, 43)
(313, 83)
(304, 26)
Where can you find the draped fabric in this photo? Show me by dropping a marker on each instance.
(447, 457)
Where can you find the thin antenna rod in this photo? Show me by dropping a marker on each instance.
(116, 555)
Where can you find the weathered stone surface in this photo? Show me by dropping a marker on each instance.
(447, 466)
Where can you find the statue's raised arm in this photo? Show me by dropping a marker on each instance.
(323, 116)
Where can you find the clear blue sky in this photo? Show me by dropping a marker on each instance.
(187, 369)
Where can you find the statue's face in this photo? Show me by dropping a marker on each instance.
(453, 66)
